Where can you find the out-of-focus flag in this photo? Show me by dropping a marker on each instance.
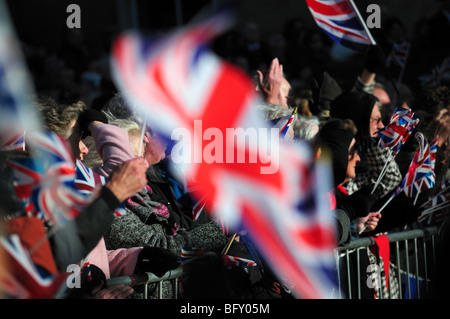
(22, 279)
(89, 184)
(12, 142)
(180, 84)
(46, 180)
(397, 131)
(341, 21)
(16, 88)
(439, 75)
(399, 54)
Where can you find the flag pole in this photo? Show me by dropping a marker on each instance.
(387, 202)
(382, 173)
(418, 192)
(141, 140)
(442, 191)
(372, 40)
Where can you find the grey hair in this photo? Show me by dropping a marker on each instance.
(306, 129)
(118, 108)
(127, 124)
(273, 111)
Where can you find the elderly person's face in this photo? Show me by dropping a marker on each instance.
(375, 121)
(155, 148)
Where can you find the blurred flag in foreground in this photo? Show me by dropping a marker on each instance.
(340, 20)
(45, 181)
(191, 95)
(89, 184)
(21, 279)
(16, 89)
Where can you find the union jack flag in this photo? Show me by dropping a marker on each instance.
(46, 181)
(340, 20)
(443, 195)
(178, 83)
(238, 261)
(20, 277)
(397, 131)
(420, 174)
(16, 87)
(439, 75)
(89, 183)
(284, 123)
(399, 54)
(11, 141)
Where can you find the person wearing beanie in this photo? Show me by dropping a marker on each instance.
(323, 95)
(363, 110)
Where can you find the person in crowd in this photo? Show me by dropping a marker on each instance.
(363, 110)
(273, 86)
(336, 140)
(353, 213)
(123, 182)
(148, 221)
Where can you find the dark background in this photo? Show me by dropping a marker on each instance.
(60, 69)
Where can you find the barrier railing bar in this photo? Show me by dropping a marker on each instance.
(397, 246)
(408, 282)
(425, 268)
(396, 237)
(417, 268)
(358, 271)
(349, 281)
(338, 269)
(145, 279)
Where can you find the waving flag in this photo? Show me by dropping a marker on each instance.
(439, 75)
(283, 123)
(341, 21)
(16, 87)
(420, 174)
(22, 279)
(434, 207)
(46, 181)
(12, 141)
(186, 89)
(397, 131)
(89, 184)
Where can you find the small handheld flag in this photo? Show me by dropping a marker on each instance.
(342, 22)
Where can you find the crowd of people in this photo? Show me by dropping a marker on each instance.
(338, 116)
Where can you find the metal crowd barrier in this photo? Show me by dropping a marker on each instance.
(423, 258)
(412, 254)
(147, 278)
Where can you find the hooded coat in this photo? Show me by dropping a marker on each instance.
(358, 107)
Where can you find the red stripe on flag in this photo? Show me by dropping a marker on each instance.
(262, 230)
(332, 9)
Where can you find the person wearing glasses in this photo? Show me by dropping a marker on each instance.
(362, 108)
